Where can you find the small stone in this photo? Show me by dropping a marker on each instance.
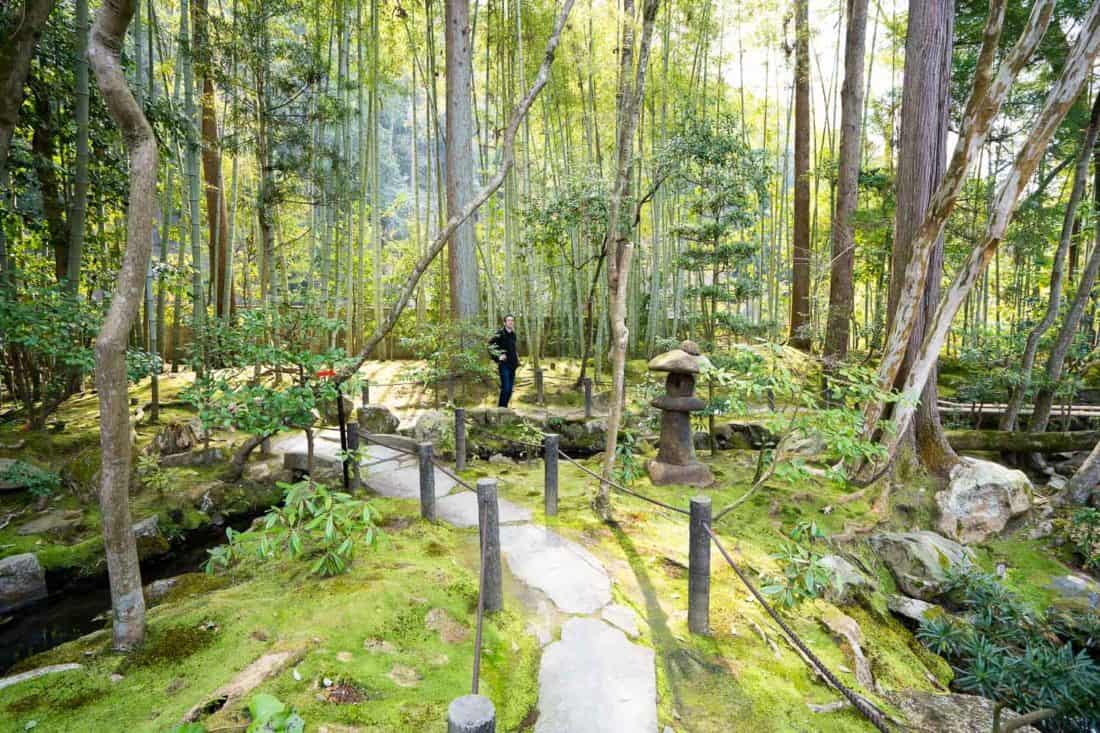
(690, 347)
(1057, 482)
(498, 459)
(296, 674)
(403, 676)
(439, 660)
(343, 657)
(326, 682)
(912, 608)
(116, 677)
(379, 646)
(1042, 530)
(450, 631)
(22, 581)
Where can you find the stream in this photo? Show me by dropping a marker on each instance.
(80, 605)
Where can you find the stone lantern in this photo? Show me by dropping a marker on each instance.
(676, 462)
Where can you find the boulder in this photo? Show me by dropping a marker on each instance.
(56, 523)
(980, 500)
(377, 419)
(22, 581)
(150, 541)
(1076, 592)
(207, 457)
(848, 580)
(17, 475)
(912, 608)
(175, 437)
(920, 561)
(928, 712)
(490, 416)
(158, 589)
(744, 436)
(431, 425)
(331, 413)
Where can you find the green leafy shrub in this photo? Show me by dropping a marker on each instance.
(40, 482)
(804, 577)
(1007, 652)
(627, 466)
(313, 522)
(151, 474)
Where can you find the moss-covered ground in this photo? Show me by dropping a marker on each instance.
(367, 629)
(207, 630)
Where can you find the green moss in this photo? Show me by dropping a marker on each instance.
(169, 645)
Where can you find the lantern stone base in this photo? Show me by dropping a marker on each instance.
(689, 474)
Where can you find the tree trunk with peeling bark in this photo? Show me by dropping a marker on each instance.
(1057, 273)
(120, 546)
(1083, 483)
(841, 294)
(1058, 101)
(800, 251)
(617, 245)
(988, 92)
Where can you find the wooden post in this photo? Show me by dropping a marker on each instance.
(539, 394)
(488, 523)
(342, 419)
(471, 714)
(587, 397)
(699, 566)
(460, 439)
(550, 443)
(366, 392)
(427, 481)
(353, 445)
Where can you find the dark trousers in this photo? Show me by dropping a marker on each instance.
(507, 382)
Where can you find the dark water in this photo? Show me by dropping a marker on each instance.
(71, 609)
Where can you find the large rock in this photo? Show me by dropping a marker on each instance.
(913, 608)
(150, 540)
(17, 475)
(22, 581)
(931, 713)
(1076, 593)
(490, 416)
(848, 580)
(330, 411)
(920, 561)
(56, 523)
(431, 425)
(981, 499)
(175, 437)
(377, 419)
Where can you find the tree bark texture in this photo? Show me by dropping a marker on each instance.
(617, 245)
(1057, 273)
(79, 207)
(216, 211)
(1058, 101)
(988, 92)
(104, 55)
(800, 256)
(465, 298)
(841, 293)
(16, 53)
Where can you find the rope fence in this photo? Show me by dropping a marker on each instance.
(490, 589)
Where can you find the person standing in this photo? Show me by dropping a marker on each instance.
(502, 347)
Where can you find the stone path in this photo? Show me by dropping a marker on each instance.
(593, 679)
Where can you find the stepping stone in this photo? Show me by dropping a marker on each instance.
(595, 681)
(622, 618)
(460, 509)
(401, 479)
(573, 579)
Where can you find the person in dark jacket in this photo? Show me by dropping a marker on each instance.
(502, 347)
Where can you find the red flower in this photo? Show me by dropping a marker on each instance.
(326, 373)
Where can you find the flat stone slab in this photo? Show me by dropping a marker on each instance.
(460, 509)
(595, 681)
(566, 572)
(622, 618)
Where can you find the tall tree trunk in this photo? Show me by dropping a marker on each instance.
(79, 208)
(841, 293)
(1083, 483)
(465, 300)
(1057, 273)
(16, 52)
(1058, 101)
(45, 168)
(198, 303)
(216, 211)
(617, 242)
(800, 257)
(104, 55)
(921, 162)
